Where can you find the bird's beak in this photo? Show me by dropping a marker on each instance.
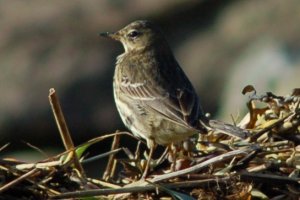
(114, 36)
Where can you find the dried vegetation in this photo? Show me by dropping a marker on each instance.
(263, 166)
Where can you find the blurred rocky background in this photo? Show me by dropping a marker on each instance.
(221, 45)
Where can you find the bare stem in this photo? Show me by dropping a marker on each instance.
(109, 167)
(134, 189)
(18, 180)
(201, 165)
(63, 129)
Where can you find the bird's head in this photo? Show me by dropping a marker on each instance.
(137, 35)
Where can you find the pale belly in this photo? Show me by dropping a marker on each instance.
(150, 125)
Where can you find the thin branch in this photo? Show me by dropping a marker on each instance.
(202, 165)
(18, 180)
(109, 169)
(91, 159)
(4, 146)
(268, 178)
(63, 129)
(135, 189)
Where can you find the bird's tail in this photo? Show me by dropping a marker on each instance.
(228, 129)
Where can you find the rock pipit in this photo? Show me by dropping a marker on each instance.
(154, 97)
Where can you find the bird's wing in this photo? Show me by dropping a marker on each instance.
(177, 102)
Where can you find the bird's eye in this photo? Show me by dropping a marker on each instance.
(133, 34)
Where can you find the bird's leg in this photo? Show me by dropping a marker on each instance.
(151, 145)
(146, 170)
(173, 156)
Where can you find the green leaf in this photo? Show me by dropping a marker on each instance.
(81, 149)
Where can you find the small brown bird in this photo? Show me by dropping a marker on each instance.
(154, 97)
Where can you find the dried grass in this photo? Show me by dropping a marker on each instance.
(265, 165)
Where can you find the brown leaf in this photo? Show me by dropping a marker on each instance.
(248, 88)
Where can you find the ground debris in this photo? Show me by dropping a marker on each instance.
(265, 165)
